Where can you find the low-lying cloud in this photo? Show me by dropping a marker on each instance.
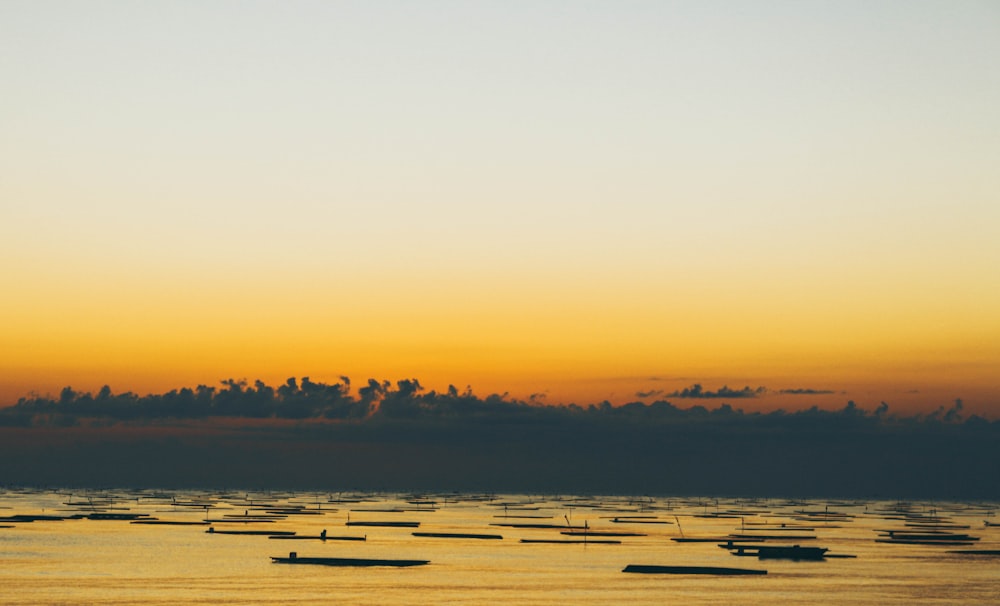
(698, 392)
(384, 435)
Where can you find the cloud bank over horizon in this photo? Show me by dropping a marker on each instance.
(307, 399)
(380, 435)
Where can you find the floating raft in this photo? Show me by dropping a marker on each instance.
(524, 517)
(117, 516)
(387, 524)
(919, 542)
(37, 518)
(982, 552)
(600, 533)
(928, 536)
(538, 526)
(776, 528)
(774, 552)
(293, 558)
(573, 541)
(171, 522)
(712, 570)
(315, 537)
(265, 533)
(772, 537)
(710, 540)
(456, 535)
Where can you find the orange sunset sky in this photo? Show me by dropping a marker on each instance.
(581, 201)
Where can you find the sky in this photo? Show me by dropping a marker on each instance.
(576, 201)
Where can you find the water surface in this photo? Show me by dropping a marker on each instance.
(81, 560)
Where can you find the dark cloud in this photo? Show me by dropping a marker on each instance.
(309, 434)
(806, 392)
(697, 391)
(649, 394)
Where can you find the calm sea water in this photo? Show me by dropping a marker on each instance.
(90, 561)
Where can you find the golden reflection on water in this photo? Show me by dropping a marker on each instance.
(84, 561)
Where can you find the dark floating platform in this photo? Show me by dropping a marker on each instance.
(981, 552)
(930, 535)
(456, 535)
(775, 552)
(293, 558)
(387, 524)
(117, 516)
(600, 533)
(536, 526)
(315, 537)
(712, 570)
(573, 541)
(710, 540)
(38, 518)
(524, 517)
(171, 522)
(264, 533)
(943, 543)
(776, 528)
(772, 537)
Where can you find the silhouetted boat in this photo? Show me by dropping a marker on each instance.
(293, 558)
(712, 570)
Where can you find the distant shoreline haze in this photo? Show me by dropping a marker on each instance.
(383, 436)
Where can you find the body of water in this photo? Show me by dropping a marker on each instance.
(59, 547)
